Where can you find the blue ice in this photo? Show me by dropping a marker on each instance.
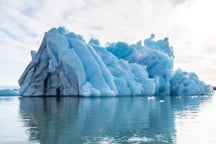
(66, 64)
(8, 92)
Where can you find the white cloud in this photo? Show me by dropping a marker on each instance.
(189, 24)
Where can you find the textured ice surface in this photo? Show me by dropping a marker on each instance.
(188, 84)
(157, 56)
(67, 65)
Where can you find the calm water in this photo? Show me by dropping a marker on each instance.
(72, 120)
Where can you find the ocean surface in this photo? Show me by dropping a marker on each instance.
(110, 120)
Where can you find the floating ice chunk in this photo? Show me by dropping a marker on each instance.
(66, 65)
(8, 92)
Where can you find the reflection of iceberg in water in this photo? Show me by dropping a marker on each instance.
(98, 120)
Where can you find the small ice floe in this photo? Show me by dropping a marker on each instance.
(136, 139)
(161, 101)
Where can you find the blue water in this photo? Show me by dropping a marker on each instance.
(136, 120)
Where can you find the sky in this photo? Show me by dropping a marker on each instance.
(189, 24)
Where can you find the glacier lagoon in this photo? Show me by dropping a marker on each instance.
(110, 120)
(66, 64)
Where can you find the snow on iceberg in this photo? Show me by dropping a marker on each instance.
(67, 65)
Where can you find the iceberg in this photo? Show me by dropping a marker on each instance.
(66, 64)
(8, 92)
